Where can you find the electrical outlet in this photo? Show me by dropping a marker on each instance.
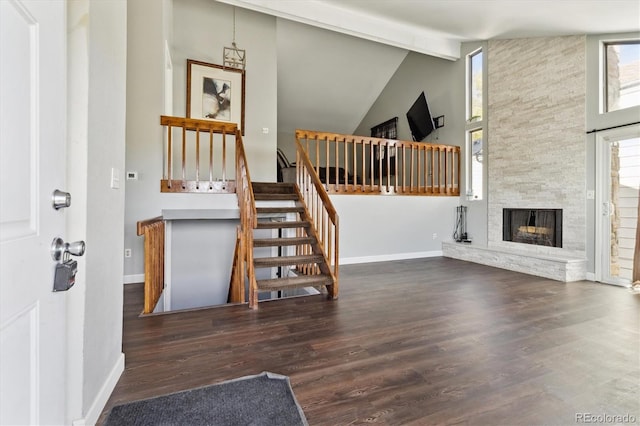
(435, 236)
(127, 252)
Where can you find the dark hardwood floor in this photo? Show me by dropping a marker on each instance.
(421, 342)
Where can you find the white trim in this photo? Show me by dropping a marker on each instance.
(103, 395)
(601, 186)
(168, 232)
(590, 276)
(389, 257)
(603, 195)
(133, 278)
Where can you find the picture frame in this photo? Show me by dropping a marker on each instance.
(215, 92)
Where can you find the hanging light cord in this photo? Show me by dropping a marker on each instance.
(233, 43)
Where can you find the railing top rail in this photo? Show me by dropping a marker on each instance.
(198, 124)
(313, 134)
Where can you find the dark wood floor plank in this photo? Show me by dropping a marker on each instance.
(428, 341)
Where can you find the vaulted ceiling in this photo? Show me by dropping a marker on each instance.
(336, 56)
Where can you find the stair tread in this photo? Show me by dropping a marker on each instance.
(294, 282)
(287, 224)
(287, 241)
(287, 209)
(266, 262)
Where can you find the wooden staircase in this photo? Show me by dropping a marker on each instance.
(280, 208)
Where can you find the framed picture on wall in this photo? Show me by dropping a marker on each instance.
(215, 93)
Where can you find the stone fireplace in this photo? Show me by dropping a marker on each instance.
(536, 160)
(542, 227)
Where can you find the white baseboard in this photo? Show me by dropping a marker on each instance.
(103, 396)
(133, 279)
(590, 276)
(389, 257)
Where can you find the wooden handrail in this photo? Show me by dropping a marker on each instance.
(190, 146)
(349, 164)
(248, 221)
(153, 231)
(319, 208)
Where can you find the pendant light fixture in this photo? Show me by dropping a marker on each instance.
(234, 57)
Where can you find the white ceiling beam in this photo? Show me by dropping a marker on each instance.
(369, 27)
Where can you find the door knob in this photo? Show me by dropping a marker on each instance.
(60, 199)
(59, 248)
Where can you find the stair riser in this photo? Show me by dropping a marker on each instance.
(281, 225)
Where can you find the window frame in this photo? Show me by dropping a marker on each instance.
(474, 124)
(603, 107)
(469, 86)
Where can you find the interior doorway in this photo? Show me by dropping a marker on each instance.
(618, 177)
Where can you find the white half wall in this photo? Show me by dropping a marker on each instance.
(378, 227)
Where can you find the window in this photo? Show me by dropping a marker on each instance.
(386, 130)
(474, 141)
(475, 125)
(621, 75)
(474, 89)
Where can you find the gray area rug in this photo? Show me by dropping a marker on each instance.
(264, 399)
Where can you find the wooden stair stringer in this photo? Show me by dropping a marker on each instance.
(317, 247)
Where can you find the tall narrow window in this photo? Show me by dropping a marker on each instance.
(475, 164)
(474, 99)
(475, 125)
(621, 75)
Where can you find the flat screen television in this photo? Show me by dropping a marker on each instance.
(420, 120)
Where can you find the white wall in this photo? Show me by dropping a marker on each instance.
(442, 82)
(96, 130)
(388, 227)
(145, 101)
(105, 206)
(199, 30)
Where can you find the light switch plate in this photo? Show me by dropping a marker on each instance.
(115, 178)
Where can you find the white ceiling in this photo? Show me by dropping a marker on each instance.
(329, 80)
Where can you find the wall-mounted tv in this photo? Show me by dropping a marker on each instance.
(420, 120)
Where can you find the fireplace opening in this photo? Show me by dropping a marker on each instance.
(541, 227)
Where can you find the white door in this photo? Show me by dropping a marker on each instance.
(618, 176)
(32, 166)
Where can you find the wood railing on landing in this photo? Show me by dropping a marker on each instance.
(199, 154)
(153, 231)
(243, 256)
(320, 210)
(348, 164)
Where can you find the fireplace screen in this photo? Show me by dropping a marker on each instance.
(541, 227)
